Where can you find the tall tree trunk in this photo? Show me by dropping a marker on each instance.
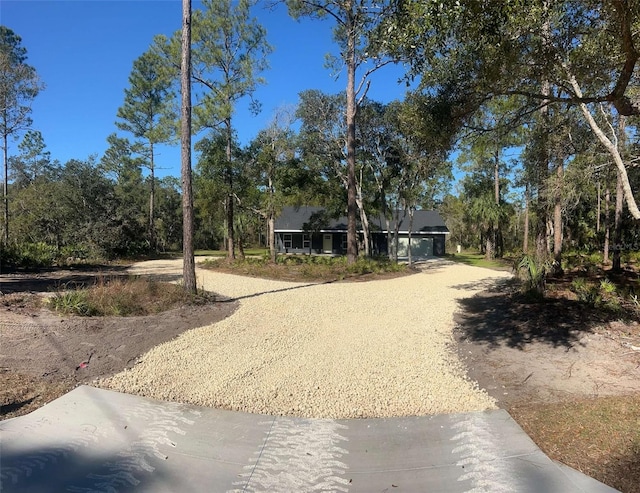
(497, 252)
(366, 231)
(152, 200)
(542, 248)
(599, 206)
(188, 264)
(5, 190)
(409, 255)
(364, 220)
(525, 240)
(271, 215)
(396, 230)
(231, 251)
(390, 243)
(241, 255)
(489, 251)
(607, 226)
(352, 241)
(271, 227)
(557, 221)
(617, 224)
(541, 235)
(231, 254)
(542, 210)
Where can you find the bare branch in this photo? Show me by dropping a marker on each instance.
(614, 137)
(325, 9)
(606, 142)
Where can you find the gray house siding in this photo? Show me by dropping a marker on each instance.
(310, 243)
(424, 245)
(304, 230)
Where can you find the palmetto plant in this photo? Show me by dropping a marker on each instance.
(533, 273)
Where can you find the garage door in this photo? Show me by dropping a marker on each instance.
(420, 247)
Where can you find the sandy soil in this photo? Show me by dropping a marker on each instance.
(524, 353)
(44, 355)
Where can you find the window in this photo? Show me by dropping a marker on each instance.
(306, 243)
(344, 242)
(287, 240)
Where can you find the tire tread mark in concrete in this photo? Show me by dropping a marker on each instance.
(301, 455)
(134, 464)
(17, 470)
(481, 458)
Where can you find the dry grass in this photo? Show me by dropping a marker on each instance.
(21, 300)
(21, 393)
(123, 297)
(307, 268)
(599, 437)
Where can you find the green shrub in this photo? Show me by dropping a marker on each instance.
(74, 253)
(599, 295)
(533, 274)
(29, 255)
(73, 302)
(579, 285)
(632, 257)
(306, 267)
(594, 258)
(39, 255)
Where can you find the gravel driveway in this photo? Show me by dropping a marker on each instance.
(337, 350)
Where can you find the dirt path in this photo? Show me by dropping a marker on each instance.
(550, 351)
(44, 355)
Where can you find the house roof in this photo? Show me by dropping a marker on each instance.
(294, 219)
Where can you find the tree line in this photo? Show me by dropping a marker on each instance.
(535, 104)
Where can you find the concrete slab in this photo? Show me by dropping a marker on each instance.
(94, 440)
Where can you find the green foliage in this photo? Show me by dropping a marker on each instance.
(73, 302)
(19, 85)
(306, 267)
(229, 50)
(533, 273)
(122, 297)
(98, 211)
(28, 255)
(374, 266)
(38, 255)
(33, 163)
(603, 294)
(148, 111)
(479, 260)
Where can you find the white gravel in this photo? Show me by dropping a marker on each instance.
(339, 350)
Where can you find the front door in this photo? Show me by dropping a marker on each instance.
(327, 243)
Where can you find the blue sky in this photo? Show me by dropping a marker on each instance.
(83, 50)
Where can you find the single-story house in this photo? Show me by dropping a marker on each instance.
(307, 230)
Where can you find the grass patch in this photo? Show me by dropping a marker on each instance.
(123, 297)
(478, 260)
(250, 252)
(599, 437)
(307, 268)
